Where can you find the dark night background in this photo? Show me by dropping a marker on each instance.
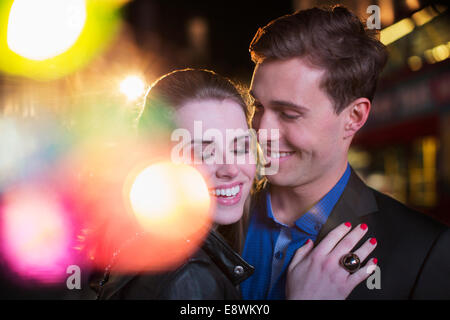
(404, 149)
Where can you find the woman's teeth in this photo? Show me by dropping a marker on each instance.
(230, 192)
(277, 155)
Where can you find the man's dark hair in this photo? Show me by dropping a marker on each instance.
(333, 39)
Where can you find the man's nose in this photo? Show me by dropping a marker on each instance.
(266, 127)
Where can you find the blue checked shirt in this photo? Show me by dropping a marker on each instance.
(270, 244)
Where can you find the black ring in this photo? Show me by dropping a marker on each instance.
(350, 262)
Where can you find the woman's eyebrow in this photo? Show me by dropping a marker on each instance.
(235, 139)
(194, 141)
(201, 141)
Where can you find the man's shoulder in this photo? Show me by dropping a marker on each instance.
(406, 217)
(391, 211)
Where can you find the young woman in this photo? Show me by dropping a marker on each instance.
(216, 270)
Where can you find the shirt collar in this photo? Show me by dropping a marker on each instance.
(313, 220)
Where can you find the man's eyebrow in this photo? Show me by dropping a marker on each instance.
(282, 103)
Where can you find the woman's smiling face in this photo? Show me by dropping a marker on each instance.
(220, 150)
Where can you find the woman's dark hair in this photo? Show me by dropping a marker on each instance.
(179, 87)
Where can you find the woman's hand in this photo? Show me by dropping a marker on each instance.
(316, 274)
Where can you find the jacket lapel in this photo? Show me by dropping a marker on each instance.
(356, 201)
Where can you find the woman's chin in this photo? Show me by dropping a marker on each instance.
(228, 216)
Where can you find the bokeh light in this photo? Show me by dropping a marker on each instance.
(48, 39)
(171, 205)
(39, 30)
(29, 149)
(36, 233)
(133, 87)
(172, 198)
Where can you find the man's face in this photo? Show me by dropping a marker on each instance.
(288, 97)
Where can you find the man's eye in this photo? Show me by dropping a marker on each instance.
(258, 107)
(290, 116)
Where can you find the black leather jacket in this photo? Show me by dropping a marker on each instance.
(213, 273)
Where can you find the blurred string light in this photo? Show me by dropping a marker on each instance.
(440, 52)
(413, 4)
(36, 233)
(424, 16)
(133, 87)
(47, 39)
(396, 31)
(433, 55)
(405, 26)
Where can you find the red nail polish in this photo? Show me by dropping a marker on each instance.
(364, 226)
(375, 260)
(348, 224)
(373, 241)
(308, 241)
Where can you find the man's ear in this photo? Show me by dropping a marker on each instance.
(356, 117)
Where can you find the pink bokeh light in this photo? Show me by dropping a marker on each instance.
(36, 234)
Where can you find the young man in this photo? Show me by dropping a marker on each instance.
(314, 80)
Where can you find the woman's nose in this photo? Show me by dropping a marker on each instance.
(227, 171)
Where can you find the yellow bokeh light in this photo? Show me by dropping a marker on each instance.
(133, 87)
(428, 54)
(48, 39)
(440, 53)
(171, 199)
(396, 31)
(42, 29)
(415, 63)
(424, 16)
(413, 4)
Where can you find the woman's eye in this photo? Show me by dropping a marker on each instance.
(242, 148)
(241, 151)
(207, 154)
(203, 153)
